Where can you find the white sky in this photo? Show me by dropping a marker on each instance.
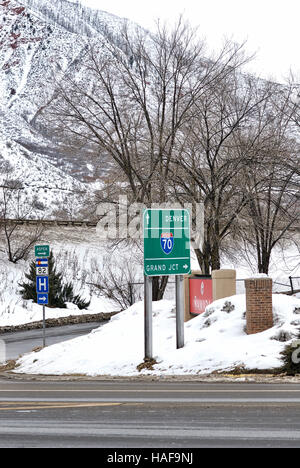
(271, 27)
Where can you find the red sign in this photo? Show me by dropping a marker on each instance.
(201, 294)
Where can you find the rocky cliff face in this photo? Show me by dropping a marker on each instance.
(41, 41)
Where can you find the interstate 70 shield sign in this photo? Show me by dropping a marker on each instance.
(167, 242)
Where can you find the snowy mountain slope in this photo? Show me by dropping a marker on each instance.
(76, 18)
(40, 41)
(45, 189)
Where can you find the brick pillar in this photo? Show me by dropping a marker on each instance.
(259, 312)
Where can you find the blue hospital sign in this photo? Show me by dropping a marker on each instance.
(42, 284)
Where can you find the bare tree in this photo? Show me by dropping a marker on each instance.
(271, 182)
(214, 155)
(14, 211)
(139, 100)
(119, 283)
(291, 99)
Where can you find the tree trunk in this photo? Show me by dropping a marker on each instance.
(215, 257)
(159, 284)
(203, 260)
(264, 262)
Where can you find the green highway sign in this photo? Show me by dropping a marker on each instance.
(166, 242)
(42, 250)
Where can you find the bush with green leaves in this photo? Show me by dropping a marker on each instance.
(59, 293)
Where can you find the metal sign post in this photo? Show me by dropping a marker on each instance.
(44, 327)
(179, 312)
(166, 252)
(42, 280)
(148, 317)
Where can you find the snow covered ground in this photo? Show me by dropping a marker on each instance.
(285, 262)
(214, 341)
(81, 255)
(78, 254)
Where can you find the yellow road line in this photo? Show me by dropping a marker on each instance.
(44, 405)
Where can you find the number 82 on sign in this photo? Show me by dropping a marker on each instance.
(42, 265)
(42, 271)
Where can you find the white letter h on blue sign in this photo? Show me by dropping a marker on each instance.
(42, 284)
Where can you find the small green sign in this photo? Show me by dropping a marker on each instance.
(42, 250)
(166, 242)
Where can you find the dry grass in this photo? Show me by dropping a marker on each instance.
(8, 366)
(146, 364)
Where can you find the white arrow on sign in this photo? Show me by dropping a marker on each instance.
(185, 266)
(43, 298)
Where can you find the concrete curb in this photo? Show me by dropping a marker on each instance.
(221, 378)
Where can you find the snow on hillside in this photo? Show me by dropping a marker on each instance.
(285, 262)
(77, 18)
(79, 255)
(45, 189)
(40, 42)
(214, 341)
(77, 266)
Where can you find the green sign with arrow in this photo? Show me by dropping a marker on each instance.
(42, 250)
(166, 242)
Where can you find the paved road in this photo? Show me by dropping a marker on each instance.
(18, 343)
(148, 414)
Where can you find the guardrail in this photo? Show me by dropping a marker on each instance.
(49, 222)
